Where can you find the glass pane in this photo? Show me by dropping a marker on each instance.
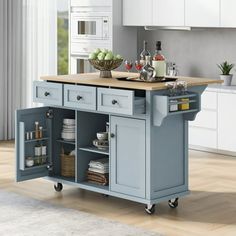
(87, 28)
(62, 36)
(83, 66)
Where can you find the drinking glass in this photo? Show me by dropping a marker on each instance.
(128, 65)
(138, 66)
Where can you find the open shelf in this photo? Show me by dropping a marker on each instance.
(88, 185)
(59, 177)
(66, 142)
(95, 150)
(182, 112)
(36, 140)
(36, 167)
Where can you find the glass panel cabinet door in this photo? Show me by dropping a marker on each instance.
(33, 143)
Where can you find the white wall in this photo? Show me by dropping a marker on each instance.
(196, 52)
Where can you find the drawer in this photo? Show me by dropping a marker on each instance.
(120, 102)
(48, 93)
(82, 97)
(205, 119)
(209, 100)
(203, 137)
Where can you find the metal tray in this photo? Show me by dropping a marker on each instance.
(155, 80)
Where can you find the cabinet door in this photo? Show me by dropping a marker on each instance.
(25, 122)
(137, 12)
(228, 16)
(202, 13)
(168, 12)
(128, 156)
(226, 122)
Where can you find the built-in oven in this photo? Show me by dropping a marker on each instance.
(80, 64)
(90, 26)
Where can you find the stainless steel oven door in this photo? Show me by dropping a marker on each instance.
(80, 64)
(86, 27)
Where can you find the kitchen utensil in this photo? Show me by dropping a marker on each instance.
(69, 122)
(128, 65)
(101, 144)
(105, 66)
(29, 162)
(102, 136)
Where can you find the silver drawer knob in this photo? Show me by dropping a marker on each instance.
(46, 94)
(79, 98)
(114, 102)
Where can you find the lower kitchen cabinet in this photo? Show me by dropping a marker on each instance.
(47, 164)
(128, 156)
(226, 121)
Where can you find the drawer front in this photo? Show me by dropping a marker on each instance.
(209, 100)
(203, 137)
(116, 101)
(83, 97)
(205, 119)
(48, 93)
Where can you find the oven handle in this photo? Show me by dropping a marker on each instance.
(81, 56)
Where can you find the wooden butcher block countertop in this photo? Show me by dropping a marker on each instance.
(94, 79)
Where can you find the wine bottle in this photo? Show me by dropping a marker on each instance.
(159, 62)
(145, 53)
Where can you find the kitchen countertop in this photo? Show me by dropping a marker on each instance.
(221, 88)
(94, 79)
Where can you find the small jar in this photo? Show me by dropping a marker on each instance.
(29, 162)
(173, 105)
(44, 150)
(37, 161)
(38, 150)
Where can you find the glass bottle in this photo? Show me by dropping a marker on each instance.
(159, 62)
(36, 130)
(145, 53)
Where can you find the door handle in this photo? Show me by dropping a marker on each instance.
(114, 102)
(46, 94)
(112, 135)
(79, 97)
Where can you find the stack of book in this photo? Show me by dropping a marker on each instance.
(98, 171)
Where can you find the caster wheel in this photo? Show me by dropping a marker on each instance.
(150, 209)
(173, 203)
(58, 187)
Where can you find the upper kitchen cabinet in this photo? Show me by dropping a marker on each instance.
(228, 16)
(137, 12)
(168, 12)
(202, 13)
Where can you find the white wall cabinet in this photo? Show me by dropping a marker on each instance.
(137, 12)
(168, 12)
(202, 13)
(180, 13)
(227, 121)
(228, 16)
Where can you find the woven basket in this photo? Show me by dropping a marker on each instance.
(105, 66)
(67, 165)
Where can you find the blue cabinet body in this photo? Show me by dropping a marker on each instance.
(128, 156)
(148, 153)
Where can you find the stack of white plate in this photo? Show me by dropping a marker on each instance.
(68, 130)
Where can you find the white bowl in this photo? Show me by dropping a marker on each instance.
(29, 162)
(69, 121)
(68, 136)
(102, 136)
